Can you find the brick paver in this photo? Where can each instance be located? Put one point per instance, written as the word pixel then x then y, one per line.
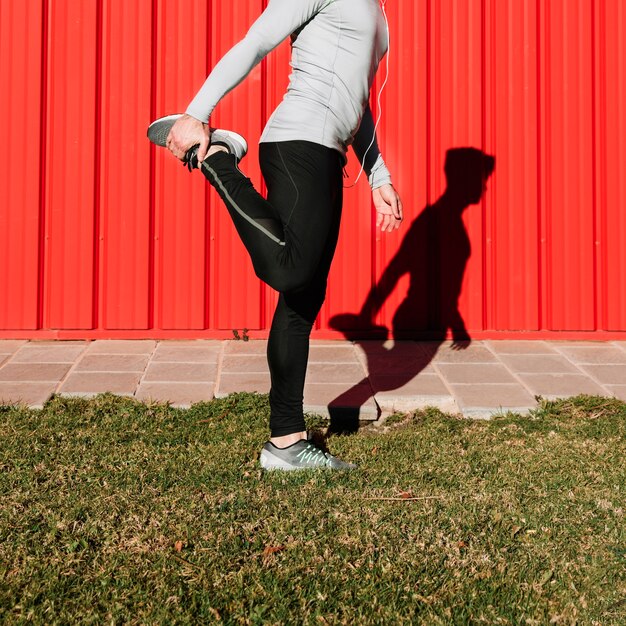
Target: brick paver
pixel 561 385
pixel 378 357
pixel 472 354
pixel 403 393
pixel 178 394
pixel 505 346
pixel 231 382
pixel 122 346
pixel 29 393
pixel 112 363
pixel 166 371
pixel 34 372
pixel 48 353
pixel 242 363
pixel 484 400
pixel 91 383
pixel 619 391
pixel 538 363
pixel 600 354
pixel 194 351
pixel 326 353
pixel 335 373
pixel 607 374
pixel 475 373
pixel 245 347
pixel 365 378
pixel 332 399
pixel 11 345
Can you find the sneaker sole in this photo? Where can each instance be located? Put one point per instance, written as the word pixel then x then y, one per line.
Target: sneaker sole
pixel 270 461
pixel 160 129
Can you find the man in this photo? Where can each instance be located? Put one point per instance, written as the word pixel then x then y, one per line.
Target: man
pixel 291 236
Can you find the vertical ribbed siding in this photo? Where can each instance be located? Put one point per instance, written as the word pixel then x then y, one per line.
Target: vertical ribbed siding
pixel 512 240
pixel 70 165
pixel 20 74
pixel 124 242
pixel 235 289
pixel 610 129
pixel 180 215
pixel 396 293
pixel 455 91
pixel 101 231
pixel 567 163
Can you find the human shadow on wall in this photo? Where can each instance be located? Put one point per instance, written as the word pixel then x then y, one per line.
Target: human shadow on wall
pixel 434 253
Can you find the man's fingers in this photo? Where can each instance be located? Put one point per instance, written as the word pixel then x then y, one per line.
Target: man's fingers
pixel 171 145
pixel 203 149
pixel 399 208
pixel 394 206
pixel 176 151
pixel 185 134
pixel 388 222
pixel 384 220
pixel 389 210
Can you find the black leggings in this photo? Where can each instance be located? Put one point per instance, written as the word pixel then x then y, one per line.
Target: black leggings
pixel 291 238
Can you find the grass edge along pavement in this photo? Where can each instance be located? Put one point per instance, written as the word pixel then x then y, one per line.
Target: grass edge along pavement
pixel 119 511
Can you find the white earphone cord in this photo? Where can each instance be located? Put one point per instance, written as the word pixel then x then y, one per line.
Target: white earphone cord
pixel 378 99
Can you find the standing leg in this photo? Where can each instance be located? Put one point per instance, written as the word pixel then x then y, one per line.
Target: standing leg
pixel 288 345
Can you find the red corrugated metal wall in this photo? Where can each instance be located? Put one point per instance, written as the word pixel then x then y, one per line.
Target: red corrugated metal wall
pixel 103 236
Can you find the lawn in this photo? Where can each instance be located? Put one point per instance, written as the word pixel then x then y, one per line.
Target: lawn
pixel 115 511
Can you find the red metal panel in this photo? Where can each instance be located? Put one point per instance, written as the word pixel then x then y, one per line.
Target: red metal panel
pixel 456 113
pixel 537 85
pixel 235 289
pixel 512 241
pixel 180 198
pixel 567 201
pixel 70 165
pixel 125 164
pixel 20 170
pixel 393 293
pixel 276 79
pixel 610 191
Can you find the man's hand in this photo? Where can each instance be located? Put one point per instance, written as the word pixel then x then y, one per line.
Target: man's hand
pixel 186 133
pixel 388 208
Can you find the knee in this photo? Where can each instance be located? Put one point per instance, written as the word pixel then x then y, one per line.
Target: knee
pixel 287 280
pixel 306 303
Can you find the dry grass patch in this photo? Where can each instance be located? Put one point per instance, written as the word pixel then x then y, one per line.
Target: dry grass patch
pixel 121 512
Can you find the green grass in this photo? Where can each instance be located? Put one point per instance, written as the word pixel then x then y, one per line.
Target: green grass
pixel 114 511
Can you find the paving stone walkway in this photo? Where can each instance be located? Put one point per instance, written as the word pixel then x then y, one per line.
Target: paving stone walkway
pixel 366 378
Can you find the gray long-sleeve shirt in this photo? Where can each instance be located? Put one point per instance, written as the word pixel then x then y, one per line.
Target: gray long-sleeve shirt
pixel 336 47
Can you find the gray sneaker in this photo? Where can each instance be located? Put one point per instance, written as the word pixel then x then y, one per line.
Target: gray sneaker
pixel 300 455
pixel 233 142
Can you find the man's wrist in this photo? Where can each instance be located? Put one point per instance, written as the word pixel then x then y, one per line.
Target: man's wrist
pixel 196 115
pixel 381 183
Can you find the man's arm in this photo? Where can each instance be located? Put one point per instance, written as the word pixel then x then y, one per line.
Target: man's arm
pixel 374 166
pixel 386 199
pixel 278 21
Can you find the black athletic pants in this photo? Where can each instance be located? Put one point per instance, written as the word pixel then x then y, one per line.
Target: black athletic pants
pixel 291 238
